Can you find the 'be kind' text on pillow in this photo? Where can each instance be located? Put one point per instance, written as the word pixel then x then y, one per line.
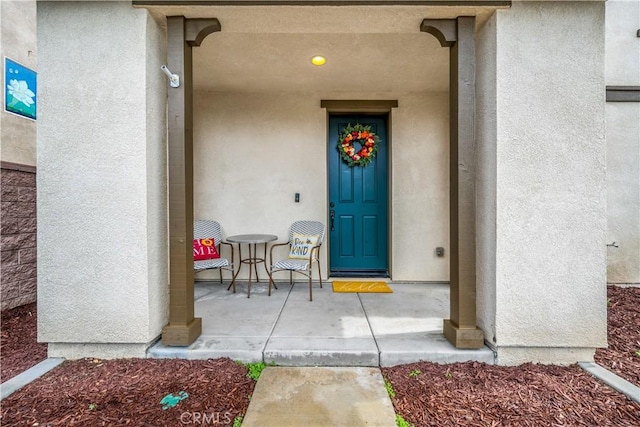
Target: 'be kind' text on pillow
pixel 302 244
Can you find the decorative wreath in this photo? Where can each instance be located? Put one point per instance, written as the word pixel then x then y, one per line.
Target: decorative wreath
pixel 358 145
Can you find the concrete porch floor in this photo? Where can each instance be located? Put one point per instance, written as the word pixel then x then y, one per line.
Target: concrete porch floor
pixel 335 329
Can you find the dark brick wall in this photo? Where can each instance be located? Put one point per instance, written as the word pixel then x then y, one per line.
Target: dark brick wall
pixel 18 280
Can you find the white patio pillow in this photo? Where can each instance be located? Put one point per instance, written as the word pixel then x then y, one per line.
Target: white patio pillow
pixel 301 245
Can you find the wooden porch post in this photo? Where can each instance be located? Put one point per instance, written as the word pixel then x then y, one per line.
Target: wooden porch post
pixel 182 35
pixel 459 36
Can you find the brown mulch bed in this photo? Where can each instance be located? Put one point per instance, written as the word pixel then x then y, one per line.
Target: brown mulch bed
pixel 478 394
pixel 19 349
pixel 623 334
pixel 475 394
pixel 128 391
pixel 91 392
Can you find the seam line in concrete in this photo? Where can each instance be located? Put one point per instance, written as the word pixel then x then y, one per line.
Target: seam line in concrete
pixel 366 316
pixel 20 380
pixel 612 380
pixel 273 327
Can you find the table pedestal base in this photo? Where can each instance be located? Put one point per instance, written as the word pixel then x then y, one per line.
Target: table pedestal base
pixel 252 241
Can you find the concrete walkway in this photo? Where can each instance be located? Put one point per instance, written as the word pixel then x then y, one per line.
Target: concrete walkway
pixel 335 329
pixel 320 397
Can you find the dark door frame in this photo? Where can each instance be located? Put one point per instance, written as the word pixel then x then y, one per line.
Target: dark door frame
pixel 380 108
pixel 456 34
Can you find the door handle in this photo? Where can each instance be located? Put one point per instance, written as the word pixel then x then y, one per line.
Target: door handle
pixel 332 216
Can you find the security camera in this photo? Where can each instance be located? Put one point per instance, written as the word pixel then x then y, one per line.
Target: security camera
pixel 166 71
pixel 174 79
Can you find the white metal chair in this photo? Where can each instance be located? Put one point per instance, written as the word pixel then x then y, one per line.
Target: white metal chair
pixel 203 229
pixel 300 265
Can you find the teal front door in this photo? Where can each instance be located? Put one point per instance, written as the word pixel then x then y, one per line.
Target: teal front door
pixel 358 204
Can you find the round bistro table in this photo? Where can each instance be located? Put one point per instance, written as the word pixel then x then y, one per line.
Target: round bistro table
pixel 252 241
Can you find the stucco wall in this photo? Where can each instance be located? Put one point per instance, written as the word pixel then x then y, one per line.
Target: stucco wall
pixel 18 156
pixel 550 183
pixel 622 52
pixel 17 42
pixel 623 143
pixel 486 170
pixel 102 258
pixel 253 152
pixel 623 201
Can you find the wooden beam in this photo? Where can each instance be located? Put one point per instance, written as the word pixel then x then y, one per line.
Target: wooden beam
pixel 348 106
pixel 461 329
pixel 182 35
pixel 183 327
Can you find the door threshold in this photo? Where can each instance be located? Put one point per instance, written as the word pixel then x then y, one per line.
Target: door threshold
pixel 359 275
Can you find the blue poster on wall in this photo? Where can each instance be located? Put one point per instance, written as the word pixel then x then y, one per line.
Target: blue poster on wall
pixel 20 89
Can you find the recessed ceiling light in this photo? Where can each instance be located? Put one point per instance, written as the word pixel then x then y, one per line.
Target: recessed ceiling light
pixel 318 60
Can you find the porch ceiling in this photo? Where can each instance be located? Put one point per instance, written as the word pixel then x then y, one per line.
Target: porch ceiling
pixel 368 49
pixel 355 63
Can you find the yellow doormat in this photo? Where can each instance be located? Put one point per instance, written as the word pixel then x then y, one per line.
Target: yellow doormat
pixel 360 286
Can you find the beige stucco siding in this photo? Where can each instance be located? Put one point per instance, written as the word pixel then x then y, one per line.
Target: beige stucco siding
pixel 17 42
pixel 540 195
pixel 623 143
pixel 622 64
pixel 102 254
pixel 253 152
pixel 486 178
pixel 623 201
pixel 549 183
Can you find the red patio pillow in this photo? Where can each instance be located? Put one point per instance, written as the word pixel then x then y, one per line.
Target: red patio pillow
pixel 204 249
